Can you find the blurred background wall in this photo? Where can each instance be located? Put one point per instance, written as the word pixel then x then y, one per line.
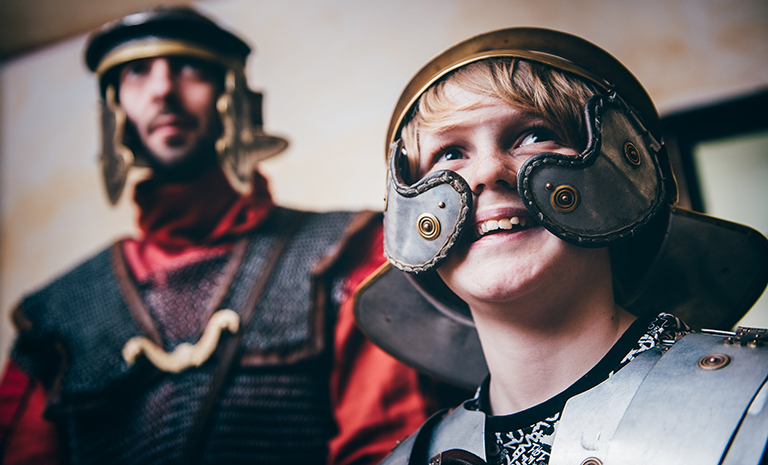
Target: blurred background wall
pixel 331 71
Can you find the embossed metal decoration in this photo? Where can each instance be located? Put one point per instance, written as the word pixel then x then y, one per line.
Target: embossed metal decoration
pixel 592 461
pixel 746 336
pixel 714 361
pixel 631 153
pixel 565 198
pixel 185 355
pixel 428 226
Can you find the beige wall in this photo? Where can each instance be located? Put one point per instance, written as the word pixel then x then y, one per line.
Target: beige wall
pixel 332 71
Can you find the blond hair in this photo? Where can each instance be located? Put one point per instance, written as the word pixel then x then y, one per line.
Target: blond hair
pixel 556 96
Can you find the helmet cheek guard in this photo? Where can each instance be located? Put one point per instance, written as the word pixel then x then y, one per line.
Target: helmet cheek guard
pixel 115 157
pixel 422 222
pixel 608 193
pixel 242 143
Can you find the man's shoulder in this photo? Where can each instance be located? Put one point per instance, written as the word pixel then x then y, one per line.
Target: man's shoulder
pixel 335 226
pixel 92 266
pixel 280 212
pixel 88 277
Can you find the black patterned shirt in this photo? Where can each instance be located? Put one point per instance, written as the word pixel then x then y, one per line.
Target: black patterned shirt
pixel 525 438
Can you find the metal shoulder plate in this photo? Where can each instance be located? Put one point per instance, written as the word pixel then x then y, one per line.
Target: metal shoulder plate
pixel 703 402
pixel 460 429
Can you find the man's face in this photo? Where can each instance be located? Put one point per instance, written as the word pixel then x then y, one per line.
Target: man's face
pixel 171 104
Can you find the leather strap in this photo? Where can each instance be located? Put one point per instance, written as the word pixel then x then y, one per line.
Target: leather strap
pixel 420 448
pixel 201 428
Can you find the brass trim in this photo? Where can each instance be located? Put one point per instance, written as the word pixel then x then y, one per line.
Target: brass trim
pixel 119 135
pixel 156 47
pixel 714 361
pixel 428 226
pixel 370 279
pixel 565 198
pixel 592 461
pixel 543 58
pixel 558 49
pixel 631 153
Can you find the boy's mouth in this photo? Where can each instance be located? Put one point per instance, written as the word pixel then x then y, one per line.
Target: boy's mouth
pixel 497 225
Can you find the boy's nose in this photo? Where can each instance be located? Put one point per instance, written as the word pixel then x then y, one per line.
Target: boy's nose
pixel 492 170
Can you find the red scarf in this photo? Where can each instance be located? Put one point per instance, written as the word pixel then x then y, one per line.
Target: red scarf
pixel 183 222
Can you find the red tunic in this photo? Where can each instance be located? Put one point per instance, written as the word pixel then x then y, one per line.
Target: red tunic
pixel 376 400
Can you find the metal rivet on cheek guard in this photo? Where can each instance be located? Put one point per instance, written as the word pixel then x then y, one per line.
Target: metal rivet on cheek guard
pixel 630 151
pixel 714 361
pixel 592 461
pixel 428 226
pixel 565 198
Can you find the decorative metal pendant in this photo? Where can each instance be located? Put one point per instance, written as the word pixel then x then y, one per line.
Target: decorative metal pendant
pixel 185 355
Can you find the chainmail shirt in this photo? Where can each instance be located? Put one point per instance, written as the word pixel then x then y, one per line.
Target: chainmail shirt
pixel 272 410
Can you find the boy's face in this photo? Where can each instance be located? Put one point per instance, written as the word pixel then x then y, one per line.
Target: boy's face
pixel 505 253
pixel 171 103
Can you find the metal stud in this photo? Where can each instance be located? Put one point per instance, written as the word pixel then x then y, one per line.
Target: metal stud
pixel 565 198
pixel 714 361
pixel 592 461
pixel 630 151
pixel 428 226
pixel 441 204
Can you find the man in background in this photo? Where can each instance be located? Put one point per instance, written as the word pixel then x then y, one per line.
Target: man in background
pixel 224 333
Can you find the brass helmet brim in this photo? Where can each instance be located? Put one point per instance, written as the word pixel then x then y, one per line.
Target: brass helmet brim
pixel 558 49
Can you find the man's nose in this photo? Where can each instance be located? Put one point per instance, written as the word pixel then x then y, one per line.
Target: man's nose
pixel 161 82
pixel 493 169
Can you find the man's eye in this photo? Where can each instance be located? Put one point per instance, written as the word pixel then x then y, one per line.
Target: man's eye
pixel 137 68
pixel 537 136
pixel 189 68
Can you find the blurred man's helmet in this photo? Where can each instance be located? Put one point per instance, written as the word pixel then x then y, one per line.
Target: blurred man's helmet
pixel 179 31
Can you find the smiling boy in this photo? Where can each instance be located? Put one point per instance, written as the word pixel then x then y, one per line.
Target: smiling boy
pixel 530 203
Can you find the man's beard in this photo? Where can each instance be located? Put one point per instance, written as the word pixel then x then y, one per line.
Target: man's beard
pixel 186 166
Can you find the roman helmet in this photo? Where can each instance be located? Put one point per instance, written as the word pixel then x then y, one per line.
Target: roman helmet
pixel 179 31
pixel 620 192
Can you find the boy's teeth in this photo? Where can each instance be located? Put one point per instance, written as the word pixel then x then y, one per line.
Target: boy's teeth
pixel 503 224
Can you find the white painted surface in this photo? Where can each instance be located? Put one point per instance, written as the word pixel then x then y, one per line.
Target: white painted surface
pixel 733 175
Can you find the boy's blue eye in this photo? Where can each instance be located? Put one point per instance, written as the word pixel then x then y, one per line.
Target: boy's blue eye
pixel 450 154
pixel 537 136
